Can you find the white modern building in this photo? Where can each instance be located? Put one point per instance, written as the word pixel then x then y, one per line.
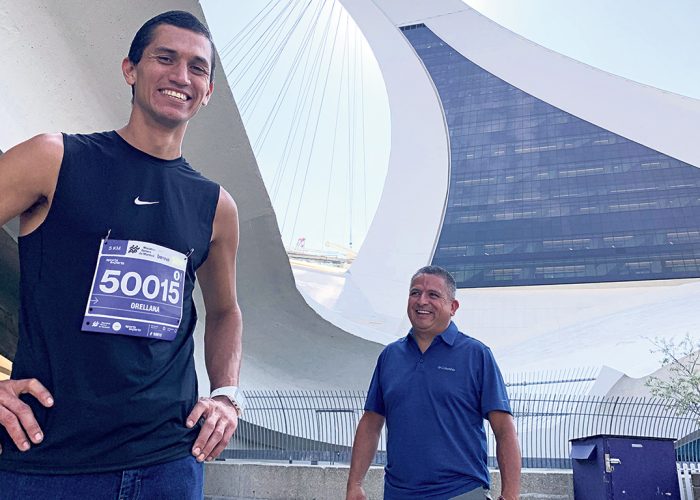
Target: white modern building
pixel 564 199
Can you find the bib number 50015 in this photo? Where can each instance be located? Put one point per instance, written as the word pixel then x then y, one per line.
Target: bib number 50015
pixel 138 290
pixel 131 284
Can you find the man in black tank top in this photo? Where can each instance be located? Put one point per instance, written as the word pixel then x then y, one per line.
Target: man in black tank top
pixel 102 400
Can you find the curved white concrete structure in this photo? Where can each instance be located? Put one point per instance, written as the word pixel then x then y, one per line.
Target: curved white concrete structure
pixel 530 327
pixel 63 73
pixel 402 234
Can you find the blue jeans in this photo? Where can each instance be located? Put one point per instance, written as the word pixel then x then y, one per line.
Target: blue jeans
pixel 181 479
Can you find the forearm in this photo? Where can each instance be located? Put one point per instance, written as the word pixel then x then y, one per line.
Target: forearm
pixel 363 450
pixel 223 347
pixel 508 456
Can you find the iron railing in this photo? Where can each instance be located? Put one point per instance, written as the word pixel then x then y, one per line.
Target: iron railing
pixel 299 425
pixel 547 422
pixel 320 425
pixel 577 380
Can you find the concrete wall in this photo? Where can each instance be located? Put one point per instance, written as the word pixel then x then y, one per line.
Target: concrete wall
pixel 257 481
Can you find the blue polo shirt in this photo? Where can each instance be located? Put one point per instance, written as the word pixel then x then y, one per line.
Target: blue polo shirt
pixel 435 404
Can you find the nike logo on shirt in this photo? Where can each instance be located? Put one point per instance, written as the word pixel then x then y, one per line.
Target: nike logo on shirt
pixel 141 202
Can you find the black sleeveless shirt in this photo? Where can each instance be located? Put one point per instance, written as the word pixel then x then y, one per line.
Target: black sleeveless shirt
pixel 120 401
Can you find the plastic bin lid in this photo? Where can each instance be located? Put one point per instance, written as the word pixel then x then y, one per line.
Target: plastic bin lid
pixel 582 451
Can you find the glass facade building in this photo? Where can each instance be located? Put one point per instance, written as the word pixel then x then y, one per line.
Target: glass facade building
pixel 540 196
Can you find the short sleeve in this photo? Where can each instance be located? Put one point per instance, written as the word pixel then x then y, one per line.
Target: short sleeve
pixel 494 395
pixel 375 396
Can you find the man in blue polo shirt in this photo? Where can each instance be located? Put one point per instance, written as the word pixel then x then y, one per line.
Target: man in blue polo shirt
pixel 434 388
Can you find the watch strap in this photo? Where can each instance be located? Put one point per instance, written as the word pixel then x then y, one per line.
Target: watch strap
pixel 233 394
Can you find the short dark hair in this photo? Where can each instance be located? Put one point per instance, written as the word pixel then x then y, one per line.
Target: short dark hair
pixel 177 18
pixel 443 273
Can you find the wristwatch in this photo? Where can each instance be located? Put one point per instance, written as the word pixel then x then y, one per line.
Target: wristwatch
pixel 234 394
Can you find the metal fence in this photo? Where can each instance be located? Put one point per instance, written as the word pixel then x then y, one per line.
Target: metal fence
pixel 685 478
pixel 578 380
pixel 319 426
pixel 546 423
pixel 299 426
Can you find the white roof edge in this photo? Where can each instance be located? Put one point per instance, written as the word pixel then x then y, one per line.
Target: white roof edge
pixel 653 117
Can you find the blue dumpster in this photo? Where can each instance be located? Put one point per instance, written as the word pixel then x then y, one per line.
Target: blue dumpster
pixel 624 467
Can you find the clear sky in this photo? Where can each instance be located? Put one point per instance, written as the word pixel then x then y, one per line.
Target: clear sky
pixel 317 116
pixel 649 41
pixel 326 193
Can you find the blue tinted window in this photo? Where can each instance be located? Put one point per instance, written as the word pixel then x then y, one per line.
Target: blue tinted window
pixel 539 196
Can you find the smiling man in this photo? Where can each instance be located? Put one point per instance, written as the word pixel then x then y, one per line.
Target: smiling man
pixel 114 228
pixel 434 388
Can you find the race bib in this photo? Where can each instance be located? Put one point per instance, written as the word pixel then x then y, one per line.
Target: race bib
pixel 137 290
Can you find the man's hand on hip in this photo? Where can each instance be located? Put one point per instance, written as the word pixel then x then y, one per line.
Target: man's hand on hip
pixel 220 422
pixel 16 416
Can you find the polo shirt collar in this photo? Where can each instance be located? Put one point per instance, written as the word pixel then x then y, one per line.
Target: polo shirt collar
pixel 448 336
